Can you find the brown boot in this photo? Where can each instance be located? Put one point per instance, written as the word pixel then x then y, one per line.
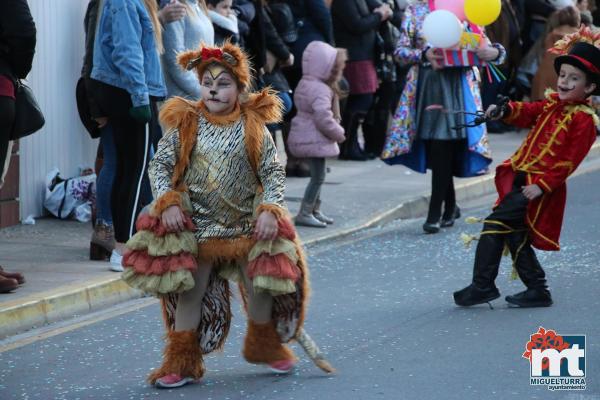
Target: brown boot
pixel 8 284
pixel 182 361
pixel 12 275
pixel 102 242
pixel 263 346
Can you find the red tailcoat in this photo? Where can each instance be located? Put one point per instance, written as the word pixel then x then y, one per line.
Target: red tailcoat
pixel 561 135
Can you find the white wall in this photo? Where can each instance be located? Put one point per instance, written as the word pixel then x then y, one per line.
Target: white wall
pixel 63 142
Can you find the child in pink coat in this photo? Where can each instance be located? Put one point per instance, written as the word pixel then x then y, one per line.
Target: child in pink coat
pixel 316 129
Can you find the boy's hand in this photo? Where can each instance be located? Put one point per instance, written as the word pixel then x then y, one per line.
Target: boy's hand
pixel 173 219
pixel 532 191
pixel 266 227
pixel 493 113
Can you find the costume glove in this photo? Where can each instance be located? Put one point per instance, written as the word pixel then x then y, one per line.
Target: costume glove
pixel 502 107
pixel 141 113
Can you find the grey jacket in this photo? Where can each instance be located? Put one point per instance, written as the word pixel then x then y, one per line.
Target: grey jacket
pixel 185 34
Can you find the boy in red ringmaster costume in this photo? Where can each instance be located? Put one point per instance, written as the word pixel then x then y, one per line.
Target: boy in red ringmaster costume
pixel 531 184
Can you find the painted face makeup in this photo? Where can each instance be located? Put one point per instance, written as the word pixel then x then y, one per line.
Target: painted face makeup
pixel 572 84
pixel 219 90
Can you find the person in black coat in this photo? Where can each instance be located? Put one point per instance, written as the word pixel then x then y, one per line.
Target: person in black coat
pixel 355 27
pixel 17 47
pixel 313 21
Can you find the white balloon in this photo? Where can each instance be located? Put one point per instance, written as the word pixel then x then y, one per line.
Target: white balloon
pixel 442 29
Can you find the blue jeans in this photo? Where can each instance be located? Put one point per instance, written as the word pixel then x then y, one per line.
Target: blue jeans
pixel 106 177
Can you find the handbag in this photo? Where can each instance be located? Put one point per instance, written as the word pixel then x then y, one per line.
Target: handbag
pixel 28 116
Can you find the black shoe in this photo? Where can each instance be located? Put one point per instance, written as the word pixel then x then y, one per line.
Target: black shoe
pixel 472 295
pixel 354 154
pixel 448 222
pixel 532 297
pixel 431 227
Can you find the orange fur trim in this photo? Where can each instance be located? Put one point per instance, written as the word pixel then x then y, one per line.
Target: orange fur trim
pixel 261 108
pixel 171 198
pixel 266 105
pixel 241 71
pixel 263 345
pixel 277 211
pixel 182 356
pixel 219 250
pixel 220 119
pixel 181 114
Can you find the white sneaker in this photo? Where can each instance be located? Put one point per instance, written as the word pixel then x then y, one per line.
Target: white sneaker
pixel 116 261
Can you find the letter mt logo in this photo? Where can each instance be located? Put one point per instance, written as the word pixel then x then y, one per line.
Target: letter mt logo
pixel 557 361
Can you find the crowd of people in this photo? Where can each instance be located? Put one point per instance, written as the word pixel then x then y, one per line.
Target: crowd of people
pixel 351 99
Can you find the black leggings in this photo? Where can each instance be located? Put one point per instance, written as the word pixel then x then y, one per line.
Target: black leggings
pixel 442 157
pixel 7 117
pixel 132 145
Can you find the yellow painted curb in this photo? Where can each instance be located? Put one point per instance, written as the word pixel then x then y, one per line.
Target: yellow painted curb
pixel 43 308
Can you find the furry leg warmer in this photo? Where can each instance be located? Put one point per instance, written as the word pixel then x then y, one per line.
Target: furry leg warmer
pixel 181 356
pixel 263 345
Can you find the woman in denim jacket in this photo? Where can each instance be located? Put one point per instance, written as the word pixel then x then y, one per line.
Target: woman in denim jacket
pixel 128 80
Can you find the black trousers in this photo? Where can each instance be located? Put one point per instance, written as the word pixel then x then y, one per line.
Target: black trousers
pixel 132 145
pixel 442 157
pixel 506 225
pixel 7 117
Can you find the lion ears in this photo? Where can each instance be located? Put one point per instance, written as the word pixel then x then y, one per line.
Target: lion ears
pixel 229 55
pixel 191 59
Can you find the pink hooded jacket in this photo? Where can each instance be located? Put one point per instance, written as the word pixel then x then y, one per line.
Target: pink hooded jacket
pixel 314 131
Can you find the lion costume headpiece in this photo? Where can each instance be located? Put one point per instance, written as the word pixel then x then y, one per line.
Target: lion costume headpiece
pixel 229 56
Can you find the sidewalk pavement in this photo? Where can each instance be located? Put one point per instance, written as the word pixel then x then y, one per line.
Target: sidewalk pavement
pixel 62 282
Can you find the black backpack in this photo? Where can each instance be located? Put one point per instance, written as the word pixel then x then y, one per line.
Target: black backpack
pixel 284 21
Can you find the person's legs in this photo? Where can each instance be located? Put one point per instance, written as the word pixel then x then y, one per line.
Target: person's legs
pixel 356 108
pixel 530 271
pixel 451 210
pixel 106 176
pixel 132 148
pixel 132 144
pixel 8 281
pixel 7 117
pixel 262 344
pixel 440 161
pixel 322 171
pixel 189 305
pixel 499 227
pixel 103 237
pixel 317 176
pixel 182 361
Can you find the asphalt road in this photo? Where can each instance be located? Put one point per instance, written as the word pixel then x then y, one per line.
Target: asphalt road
pixel 381 310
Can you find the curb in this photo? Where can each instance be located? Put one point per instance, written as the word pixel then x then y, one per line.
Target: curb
pixel 38 310
pixel 66 302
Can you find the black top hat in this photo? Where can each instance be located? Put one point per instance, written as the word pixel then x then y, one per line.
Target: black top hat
pixel 586 57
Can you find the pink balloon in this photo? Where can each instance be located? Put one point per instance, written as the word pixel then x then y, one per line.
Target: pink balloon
pixel 456 7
